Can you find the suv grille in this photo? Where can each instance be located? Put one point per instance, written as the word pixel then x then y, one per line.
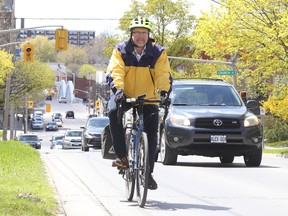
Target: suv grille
pixel 209 123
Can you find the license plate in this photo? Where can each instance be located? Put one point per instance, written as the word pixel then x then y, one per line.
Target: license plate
pixel 218 139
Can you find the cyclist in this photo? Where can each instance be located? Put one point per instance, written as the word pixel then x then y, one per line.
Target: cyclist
pixel 137 66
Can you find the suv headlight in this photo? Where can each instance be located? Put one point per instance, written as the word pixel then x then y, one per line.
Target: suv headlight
pixel 251 121
pixel 180 120
pixel 87 135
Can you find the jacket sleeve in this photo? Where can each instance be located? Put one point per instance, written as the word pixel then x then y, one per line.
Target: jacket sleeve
pixel 116 72
pixel 163 76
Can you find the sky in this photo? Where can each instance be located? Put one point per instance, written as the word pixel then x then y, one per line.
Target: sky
pixel 104 14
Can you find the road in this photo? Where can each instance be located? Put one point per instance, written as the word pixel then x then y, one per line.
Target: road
pixel 86 184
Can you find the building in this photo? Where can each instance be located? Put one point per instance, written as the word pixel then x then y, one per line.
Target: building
pixel 77 38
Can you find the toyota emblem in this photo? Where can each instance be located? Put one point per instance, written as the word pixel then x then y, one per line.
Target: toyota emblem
pixel 217 122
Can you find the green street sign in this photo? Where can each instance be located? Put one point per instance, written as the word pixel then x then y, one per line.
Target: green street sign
pixel 226 72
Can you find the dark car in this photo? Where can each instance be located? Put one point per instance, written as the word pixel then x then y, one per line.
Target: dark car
pixel 70 114
pixel 31 139
pixel 51 126
pixel 201 122
pixel 56 116
pixel 92 131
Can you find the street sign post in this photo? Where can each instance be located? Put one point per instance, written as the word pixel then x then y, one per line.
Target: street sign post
pixel 226 72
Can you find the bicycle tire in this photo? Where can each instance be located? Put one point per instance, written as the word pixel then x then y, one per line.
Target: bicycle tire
pixel 143 172
pixel 129 174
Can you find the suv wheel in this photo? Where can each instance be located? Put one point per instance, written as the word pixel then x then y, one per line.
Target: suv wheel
pixel 227 159
pixel 84 147
pixel 167 156
pixel 253 159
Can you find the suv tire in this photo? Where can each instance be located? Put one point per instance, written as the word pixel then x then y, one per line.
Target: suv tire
pixel 227 159
pixel 167 155
pixel 254 159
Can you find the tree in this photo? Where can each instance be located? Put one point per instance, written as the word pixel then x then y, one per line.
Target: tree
pixel 87 71
pixel 171 19
pixel 6 67
pixel 255 31
pixel 44 49
pixel 30 79
pixel 73 58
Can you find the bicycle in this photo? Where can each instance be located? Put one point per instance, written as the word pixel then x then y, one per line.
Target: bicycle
pixel 137 174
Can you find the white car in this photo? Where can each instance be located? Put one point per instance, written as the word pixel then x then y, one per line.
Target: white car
pixel 59 122
pixel 37 124
pixel 72 139
pixel 62 100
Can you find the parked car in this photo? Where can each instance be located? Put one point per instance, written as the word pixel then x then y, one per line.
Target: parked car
pixel 56 141
pixel 51 126
pixel 31 139
pixel 91 136
pixel 70 114
pixel 37 124
pixel 56 116
pixel 38 113
pixel 62 100
pixel 59 122
pixel 72 138
pixel 200 123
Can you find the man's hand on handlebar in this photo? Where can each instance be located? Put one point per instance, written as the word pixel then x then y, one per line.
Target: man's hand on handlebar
pixel 119 96
pixel 165 100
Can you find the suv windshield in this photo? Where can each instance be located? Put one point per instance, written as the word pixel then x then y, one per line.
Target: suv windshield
pixel 204 95
pixel 98 122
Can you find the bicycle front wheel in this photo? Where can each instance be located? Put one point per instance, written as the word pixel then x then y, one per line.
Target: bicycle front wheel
pixel 129 173
pixel 143 172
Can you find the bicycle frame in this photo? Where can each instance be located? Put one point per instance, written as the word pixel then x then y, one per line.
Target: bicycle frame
pixel 138 170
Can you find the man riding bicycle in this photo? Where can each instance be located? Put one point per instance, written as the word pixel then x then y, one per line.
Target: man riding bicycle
pixel 138 66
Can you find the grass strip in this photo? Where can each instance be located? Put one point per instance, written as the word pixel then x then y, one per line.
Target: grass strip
pixel 24 186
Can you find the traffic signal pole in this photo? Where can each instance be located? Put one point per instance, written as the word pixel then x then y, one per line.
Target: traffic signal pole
pixel 8 82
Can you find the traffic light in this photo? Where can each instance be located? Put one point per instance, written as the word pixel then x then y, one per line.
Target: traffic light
pixel 30 104
pixel 28 53
pixel 61 39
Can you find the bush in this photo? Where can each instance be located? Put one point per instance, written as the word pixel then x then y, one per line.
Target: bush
pixel 275 129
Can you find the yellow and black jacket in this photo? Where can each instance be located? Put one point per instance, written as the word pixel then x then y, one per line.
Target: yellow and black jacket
pixel 150 75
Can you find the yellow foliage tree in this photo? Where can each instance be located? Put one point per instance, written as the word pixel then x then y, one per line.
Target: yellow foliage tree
pixel 6 65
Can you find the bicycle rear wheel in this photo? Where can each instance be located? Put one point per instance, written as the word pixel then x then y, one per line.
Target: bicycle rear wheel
pixel 129 173
pixel 143 172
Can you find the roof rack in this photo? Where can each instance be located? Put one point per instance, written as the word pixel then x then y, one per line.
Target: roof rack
pixel 199 78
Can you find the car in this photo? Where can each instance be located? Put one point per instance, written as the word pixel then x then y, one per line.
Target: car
pixel 37 118
pixel 70 114
pixel 51 126
pixel 31 139
pixel 38 113
pixel 91 136
pixel 37 124
pixel 56 116
pixel 196 124
pixel 72 138
pixel 92 115
pixel 59 122
pixel 62 100
pixel 56 141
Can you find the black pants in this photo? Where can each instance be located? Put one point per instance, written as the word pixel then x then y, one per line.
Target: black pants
pixel 151 115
